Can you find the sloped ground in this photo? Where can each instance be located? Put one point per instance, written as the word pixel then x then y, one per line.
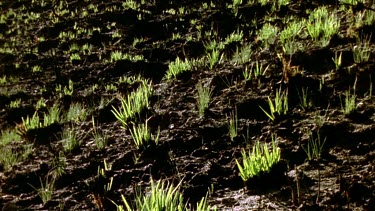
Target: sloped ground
pixel 37 55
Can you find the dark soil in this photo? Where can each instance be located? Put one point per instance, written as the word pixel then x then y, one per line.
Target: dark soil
pixel 196 150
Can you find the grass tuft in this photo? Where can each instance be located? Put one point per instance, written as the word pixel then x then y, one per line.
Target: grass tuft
pixel 258 160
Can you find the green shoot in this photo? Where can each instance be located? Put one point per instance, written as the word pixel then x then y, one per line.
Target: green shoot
pixel 259 160
pixel 279 106
pixel 204 98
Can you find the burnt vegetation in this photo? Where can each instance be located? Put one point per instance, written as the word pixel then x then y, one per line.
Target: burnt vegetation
pixel 187 105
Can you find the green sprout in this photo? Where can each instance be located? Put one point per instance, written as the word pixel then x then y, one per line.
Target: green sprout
pixel 45 191
pixel 305 101
pixel 259 160
pixel 314 147
pixel 204 98
pixel 337 60
pixel 214 58
pixel 279 106
pixel 177 67
pixel 362 51
pixel 254 72
pixel 70 140
pixel 142 136
pixel 268 34
pixel 233 125
pixel 98 135
pixel 349 105
pixel 162 196
pixel 77 112
pixel 133 104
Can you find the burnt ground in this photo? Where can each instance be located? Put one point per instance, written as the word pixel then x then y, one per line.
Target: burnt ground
pixel 194 149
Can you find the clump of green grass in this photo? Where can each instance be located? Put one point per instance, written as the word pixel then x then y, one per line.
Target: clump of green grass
pixel 254 72
pixel 304 99
pixel 58 165
pixel 102 174
pixel 76 112
pixel 15 103
pixel 65 90
pixel 362 51
pixel 322 25
pixel 236 36
pixel 133 104
pixel 288 37
pixel 259 160
pixel 277 107
pixel 177 67
pixel 8 136
pixel 70 139
pixel 233 125
pixel 314 147
pixel 34 122
pixel 349 105
pixel 99 137
pixel 242 55
pixel 337 60
pixel 118 55
pixel 204 98
pixel 142 136
pixel 214 58
pixel 162 196
pixel 8 157
pixel 45 191
pixel 214 45
pixel 268 34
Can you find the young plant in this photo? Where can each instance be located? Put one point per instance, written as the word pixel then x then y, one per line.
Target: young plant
pixel 142 136
pixel 291 31
pixel 9 136
pixel 110 87
pixel 233 125
pixel 76 113
pixel 254 73
pixel 234 37
pixel 362 51
pixel 278 107
pixel 53 115
pixel 8 157
pixel 259 160
pixel 58 165
pixel 45 191
pixel 102 174
pixel 268 34
pixel 65 90
pixel 370 89
pixel 242 55
pixel 314 147
pixel 133 104
pixel 161 196
pixel 337 60
pixel 15 104
pixel 214 58
pixel 236 3
pixel 70 140
pixel 214 45
pixel 30 123
pixel 177 67
pixel 321 25
pixel 304 99
pixel 98 135
pixel 349 105
pixel 204 98
pixel 290 47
